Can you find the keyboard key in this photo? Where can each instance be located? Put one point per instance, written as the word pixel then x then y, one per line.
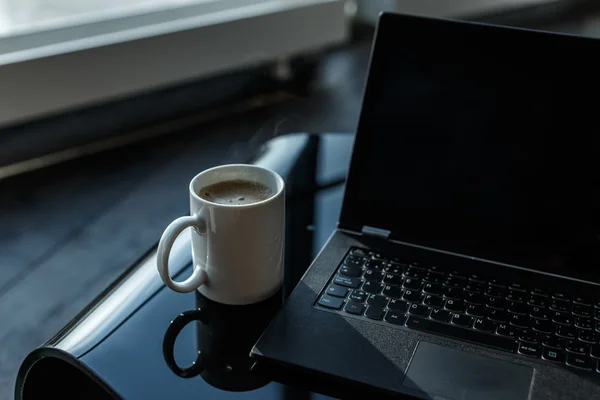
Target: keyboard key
pixel 551 354
pixel 412 296
pixel 473 298
pixel 538 301
pixel 418 310
pixel 517 287
pixel 529 349
pixel 392 279
pixel 354 308
pixel 476 310
pixel 354 261
pixel 394 317
pixel 485 325
pixel 582 311
pixel 596 314
pixel 337 291
pixel 377 301
pixel 561 296
pixel 584 323
pixel 440 315
pixel 529 336
pixel 358 296
pixel 455 305
pixel 476 278
pixel 539 292
pixel 358 252
pixel 453 293
pixel 350 270
pixel 393 292
pixel 515 296
pixel 495 302
pixel 467 335
pixel 506 330
pixel 553 342
pixel 412 284
pixel 374 312
pixel 454 283
pixel 331 302
pixel 540 325
pixel 575 346
pixel 497 315
pixel 517 320
pixel 373 275
pixel 412 273
pixel 435 269
pixel 457 275
pixel 474 287
pixel 562 318
pixel 586 336
pixel 433 288
pixel 539 313
pixel 497 282
pixel 398 305
pixel 567 332
pixel 372 287
pixel 494 291
pixel 393 269
pixel 353 283
pixel 579 361
pixel 433 301
pixel 584 301
pixel 462 320
pixel 433 277
pixel 517 308
pixel 560 306
pixel 595 352
pixel 375 264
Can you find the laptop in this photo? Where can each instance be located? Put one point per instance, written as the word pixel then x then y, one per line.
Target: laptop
pixel 466 260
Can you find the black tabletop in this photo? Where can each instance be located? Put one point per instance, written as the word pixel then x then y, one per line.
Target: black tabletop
pixel 116 346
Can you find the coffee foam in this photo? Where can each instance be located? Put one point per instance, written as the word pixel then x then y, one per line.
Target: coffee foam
pixel 235 192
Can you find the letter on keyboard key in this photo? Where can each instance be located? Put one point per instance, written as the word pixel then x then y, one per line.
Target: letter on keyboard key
pixel 393 291
pixel 377 301
pixel 398 305
pixel 441 315
pixel 418 310
pixel 462 320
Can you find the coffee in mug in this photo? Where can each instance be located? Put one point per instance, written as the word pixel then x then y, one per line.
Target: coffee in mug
pixel 236 192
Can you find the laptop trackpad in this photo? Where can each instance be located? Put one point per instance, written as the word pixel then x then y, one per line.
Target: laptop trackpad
pixel 458 375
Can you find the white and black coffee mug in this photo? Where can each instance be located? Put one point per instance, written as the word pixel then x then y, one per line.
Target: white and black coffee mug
pixel 237 249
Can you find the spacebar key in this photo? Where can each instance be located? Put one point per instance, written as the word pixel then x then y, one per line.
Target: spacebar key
pixel 467 335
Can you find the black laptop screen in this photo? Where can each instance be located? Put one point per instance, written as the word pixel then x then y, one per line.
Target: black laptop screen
pixel 482 141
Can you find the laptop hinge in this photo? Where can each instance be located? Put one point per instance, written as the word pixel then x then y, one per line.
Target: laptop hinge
pixel 380 233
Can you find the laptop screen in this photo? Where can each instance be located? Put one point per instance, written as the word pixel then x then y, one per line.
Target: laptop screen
pixel 482 141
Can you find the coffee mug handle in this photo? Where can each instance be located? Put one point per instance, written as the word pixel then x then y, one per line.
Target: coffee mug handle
pixel 167 240
pixel 169 344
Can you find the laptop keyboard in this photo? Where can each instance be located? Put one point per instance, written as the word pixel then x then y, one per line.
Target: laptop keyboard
pixel 560 328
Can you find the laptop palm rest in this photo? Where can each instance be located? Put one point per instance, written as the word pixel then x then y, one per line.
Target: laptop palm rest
pixel 457 375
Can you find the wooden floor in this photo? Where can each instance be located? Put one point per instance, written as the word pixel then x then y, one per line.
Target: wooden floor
pixel 70 230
